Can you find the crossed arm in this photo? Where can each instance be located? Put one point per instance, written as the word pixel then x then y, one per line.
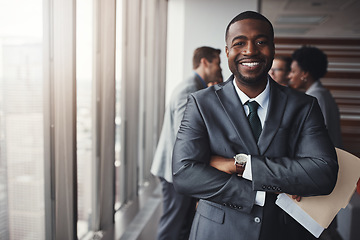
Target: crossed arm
pixel 310 171
pixel 227 165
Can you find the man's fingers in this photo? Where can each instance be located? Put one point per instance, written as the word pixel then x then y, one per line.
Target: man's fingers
pixel 296 197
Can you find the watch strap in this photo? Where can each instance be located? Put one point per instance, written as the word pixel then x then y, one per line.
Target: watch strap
pixel 239 169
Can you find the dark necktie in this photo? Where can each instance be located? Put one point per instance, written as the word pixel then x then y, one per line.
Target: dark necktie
pixel 254 119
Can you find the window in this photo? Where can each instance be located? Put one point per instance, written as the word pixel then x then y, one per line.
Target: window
pixel 119 124
pixel 22 211
pixel 85 176
pixel 69 124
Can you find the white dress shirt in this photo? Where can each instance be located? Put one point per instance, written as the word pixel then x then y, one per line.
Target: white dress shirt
pixel 263 100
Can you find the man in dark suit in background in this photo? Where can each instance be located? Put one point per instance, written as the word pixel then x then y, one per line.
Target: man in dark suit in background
pixel 178 209
pixel 276 135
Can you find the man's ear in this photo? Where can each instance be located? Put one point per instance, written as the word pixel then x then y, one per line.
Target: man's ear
pixel 227 51
pixel 204 62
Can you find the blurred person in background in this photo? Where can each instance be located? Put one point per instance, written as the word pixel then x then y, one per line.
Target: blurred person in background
pixel 280 69
pixel 308 66
pixel 178 209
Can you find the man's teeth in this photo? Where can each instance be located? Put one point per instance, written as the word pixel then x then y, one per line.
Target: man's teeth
pixel 250 64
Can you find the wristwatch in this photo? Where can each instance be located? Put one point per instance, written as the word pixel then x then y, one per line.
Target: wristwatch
pixel 240 162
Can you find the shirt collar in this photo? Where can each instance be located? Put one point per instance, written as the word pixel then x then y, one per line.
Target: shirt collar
pixel 201 80
pixel 262 99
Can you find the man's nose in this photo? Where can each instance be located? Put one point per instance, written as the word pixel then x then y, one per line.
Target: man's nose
pixel 250 49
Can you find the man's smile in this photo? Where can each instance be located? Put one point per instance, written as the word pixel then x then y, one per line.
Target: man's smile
pixel 249 64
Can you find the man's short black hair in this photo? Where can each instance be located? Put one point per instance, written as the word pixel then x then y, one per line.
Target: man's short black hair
pixel 312 60
pixel 249 15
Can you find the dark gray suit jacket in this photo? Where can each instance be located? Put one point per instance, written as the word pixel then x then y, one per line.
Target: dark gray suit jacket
pixel 161 166
pixel 294 155
pixel 329 109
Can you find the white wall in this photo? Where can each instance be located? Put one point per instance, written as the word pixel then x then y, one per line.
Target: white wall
pixel 195 23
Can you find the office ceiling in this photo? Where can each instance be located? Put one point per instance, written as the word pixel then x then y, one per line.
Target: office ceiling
pixel 313 18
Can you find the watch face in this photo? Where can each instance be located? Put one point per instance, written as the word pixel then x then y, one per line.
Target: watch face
pixel 241 159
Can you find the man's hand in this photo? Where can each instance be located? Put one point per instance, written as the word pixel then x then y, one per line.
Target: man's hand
pixel 296 197
pixel 223 164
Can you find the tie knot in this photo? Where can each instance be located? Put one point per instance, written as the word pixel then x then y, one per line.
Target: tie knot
pixel 253 106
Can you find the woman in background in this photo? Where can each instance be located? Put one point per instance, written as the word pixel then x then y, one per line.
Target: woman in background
pixel 308 66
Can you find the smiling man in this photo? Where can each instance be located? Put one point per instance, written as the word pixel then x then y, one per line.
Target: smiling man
pixel 246 140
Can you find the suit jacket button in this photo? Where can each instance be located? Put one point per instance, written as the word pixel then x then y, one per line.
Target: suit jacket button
pixel 278 189
pixel 263 187
pixel 274 188
pixel 239 207
pixel 269 187
pixel 257 219
pixel 225 204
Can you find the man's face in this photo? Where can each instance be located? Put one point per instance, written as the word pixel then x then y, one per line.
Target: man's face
pixel 250 50
pixel 213 71
pixel 296 76
pixel 278 72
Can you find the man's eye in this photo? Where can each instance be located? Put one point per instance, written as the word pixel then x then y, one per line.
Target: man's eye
pixel 239 43
pixel 261 42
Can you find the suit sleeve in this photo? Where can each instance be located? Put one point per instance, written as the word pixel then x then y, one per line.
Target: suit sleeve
pixel 321 99
pixel 178 110
pixel 311 171
pixel 192 174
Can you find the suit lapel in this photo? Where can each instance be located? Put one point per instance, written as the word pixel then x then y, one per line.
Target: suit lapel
pixel 274 115
pixel 235 112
